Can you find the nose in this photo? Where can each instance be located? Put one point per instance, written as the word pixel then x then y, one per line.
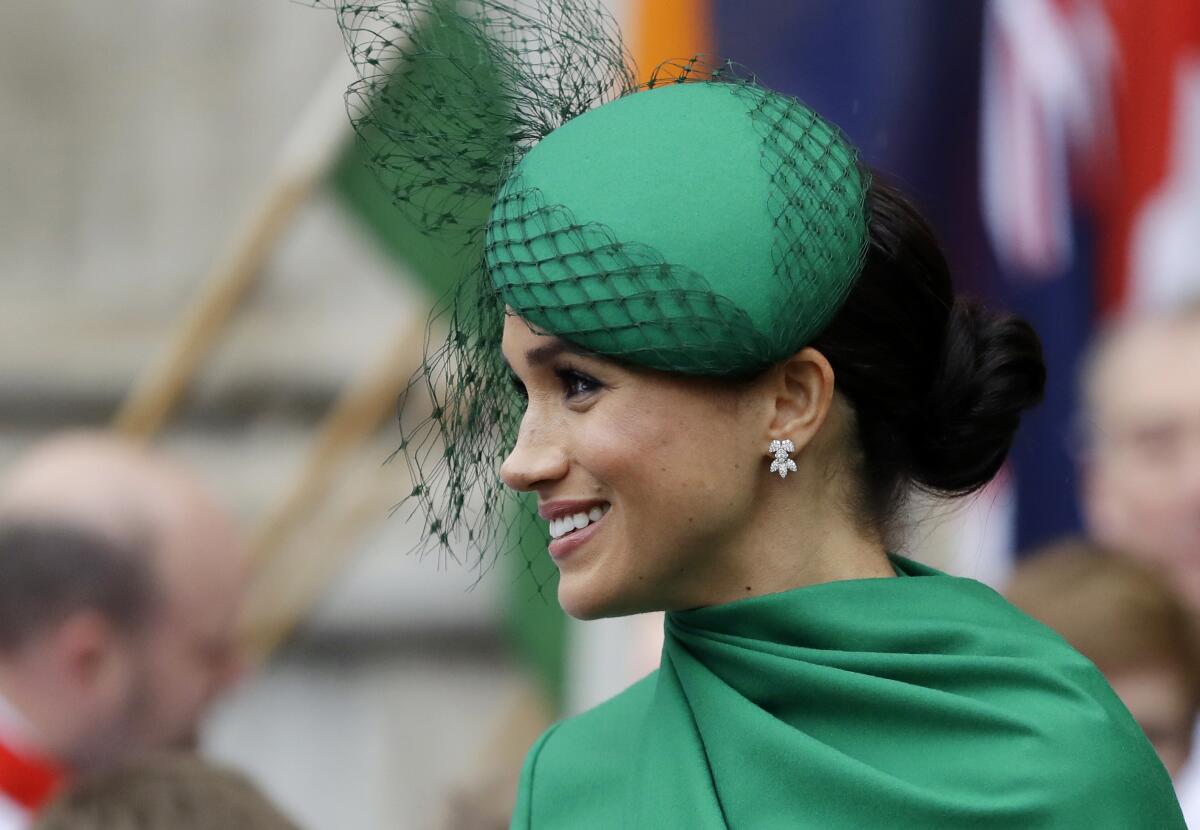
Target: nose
pixel 536 457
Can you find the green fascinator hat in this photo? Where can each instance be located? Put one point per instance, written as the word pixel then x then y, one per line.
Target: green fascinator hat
pixel 708 228
pixel 700 223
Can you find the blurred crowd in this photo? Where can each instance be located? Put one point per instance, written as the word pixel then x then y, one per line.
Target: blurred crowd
pixel 1127 595
pixel 120 588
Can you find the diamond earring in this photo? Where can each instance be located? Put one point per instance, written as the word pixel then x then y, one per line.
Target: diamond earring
pixel 782 464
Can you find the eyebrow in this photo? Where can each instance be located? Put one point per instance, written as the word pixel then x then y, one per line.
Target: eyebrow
pixel 541 355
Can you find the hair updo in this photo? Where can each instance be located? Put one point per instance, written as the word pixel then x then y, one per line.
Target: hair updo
pixel 937 383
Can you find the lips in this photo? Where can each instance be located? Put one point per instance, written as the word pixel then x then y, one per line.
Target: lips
pixel 568 523
pixel 572 524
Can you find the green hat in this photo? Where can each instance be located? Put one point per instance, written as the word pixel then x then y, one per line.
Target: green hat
pixel 707 228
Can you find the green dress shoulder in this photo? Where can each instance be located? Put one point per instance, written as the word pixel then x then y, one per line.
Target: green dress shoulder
pixel 926 702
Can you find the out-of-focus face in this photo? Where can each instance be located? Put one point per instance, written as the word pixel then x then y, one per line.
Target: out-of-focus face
pixel 1159 700
pixel 99 689
pixel 647 479
pixel 1143 472
pixel 191 653
pixel 156 682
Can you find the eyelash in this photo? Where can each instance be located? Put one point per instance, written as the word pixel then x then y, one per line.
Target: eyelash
pixel 571 379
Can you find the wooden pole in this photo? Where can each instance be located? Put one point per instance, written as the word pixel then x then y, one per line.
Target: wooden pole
pixel 305 159
pixel 279 602
pixel 360 409
pixel 280 598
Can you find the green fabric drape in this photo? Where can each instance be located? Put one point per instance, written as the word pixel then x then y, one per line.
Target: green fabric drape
pixel 924 701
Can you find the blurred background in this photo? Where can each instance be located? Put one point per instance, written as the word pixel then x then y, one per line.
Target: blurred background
pixel 189 250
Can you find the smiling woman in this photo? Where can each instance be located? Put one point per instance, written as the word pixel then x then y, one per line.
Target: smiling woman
pixel 668 463
pixel 734 353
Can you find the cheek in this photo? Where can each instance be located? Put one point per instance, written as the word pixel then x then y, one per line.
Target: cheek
pixel 173 673
pixel 1131 495
pixel 677 470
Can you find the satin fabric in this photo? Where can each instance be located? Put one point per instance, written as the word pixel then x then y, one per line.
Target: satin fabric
pixel 924 701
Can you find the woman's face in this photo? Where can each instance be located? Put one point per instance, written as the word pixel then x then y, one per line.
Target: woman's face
pixel 646 478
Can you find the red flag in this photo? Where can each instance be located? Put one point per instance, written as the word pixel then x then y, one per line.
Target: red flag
pixel 1151 217
pixel 25 779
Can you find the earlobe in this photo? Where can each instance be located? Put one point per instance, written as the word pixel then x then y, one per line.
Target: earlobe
pixel 803 395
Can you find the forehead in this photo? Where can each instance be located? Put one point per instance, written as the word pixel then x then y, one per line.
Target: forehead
pixel 519 335
pixel 1151 372
pixel 204 564
pixel 526 345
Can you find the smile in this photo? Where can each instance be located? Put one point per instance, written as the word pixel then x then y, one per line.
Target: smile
pixel 564 525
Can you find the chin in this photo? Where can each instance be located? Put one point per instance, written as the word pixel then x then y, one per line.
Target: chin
pixel 580 604
pixel 582 599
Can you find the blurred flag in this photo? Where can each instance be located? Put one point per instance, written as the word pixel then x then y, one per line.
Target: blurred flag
pixel 1151 220
pixel 1041 120
pixel 1090 169
pixel 534 623
pixel 662 30
pixel 420 87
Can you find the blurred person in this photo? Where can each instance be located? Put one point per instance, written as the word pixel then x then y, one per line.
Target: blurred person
pixel 1141 459
pixel 172 792
pixel 1126 619
pixel 120 581
pixel 1141 465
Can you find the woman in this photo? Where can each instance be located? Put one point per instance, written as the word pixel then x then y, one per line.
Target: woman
pixel 735 353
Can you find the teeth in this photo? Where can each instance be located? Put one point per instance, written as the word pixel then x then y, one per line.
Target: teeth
pixel 578 521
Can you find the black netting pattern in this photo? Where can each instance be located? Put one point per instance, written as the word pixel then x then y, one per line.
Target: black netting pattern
pixel 618 299
pixel 440 80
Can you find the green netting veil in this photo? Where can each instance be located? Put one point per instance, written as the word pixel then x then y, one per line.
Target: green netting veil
pixel 700 223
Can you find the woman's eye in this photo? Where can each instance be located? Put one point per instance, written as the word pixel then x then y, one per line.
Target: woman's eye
pixel 576 384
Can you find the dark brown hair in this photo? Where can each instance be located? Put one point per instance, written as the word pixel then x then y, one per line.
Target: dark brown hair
pixel 937 383
pixel 49 570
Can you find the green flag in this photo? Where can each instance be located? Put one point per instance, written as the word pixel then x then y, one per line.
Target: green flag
pixel 400 184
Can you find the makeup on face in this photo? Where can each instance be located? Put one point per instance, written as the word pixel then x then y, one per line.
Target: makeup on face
pixel 621 461
pixel 551 369
pixel 555 355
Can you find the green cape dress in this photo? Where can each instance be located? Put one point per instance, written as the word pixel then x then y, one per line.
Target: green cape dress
pixel 925 701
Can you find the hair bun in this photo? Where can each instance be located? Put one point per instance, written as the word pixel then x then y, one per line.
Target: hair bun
pixel 991 371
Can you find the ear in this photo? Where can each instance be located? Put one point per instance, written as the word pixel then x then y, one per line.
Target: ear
pixel 803 387
pixel 86 648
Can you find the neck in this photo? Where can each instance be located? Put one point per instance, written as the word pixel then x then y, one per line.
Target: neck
pixel 800 535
